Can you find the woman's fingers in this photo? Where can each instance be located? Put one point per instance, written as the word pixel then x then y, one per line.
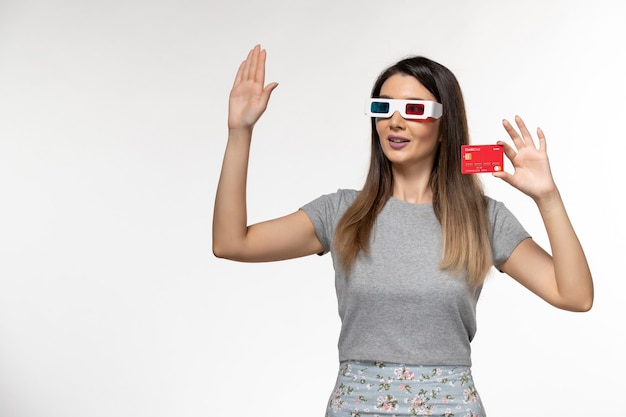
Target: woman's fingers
pixel 239 76
pixel 508 150
pixel 517 140
pixel 523 137
pixel 252 69
pixel 260 67
pixel 527 137
pixel 248 63
pixel 542 140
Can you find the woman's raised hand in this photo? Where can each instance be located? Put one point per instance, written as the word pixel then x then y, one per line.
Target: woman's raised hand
pixel 249 96
pixel 532 174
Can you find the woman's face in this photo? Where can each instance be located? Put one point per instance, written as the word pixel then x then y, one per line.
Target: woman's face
pixel 407 142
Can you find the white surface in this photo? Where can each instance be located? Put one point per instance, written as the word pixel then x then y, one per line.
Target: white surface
pixel 112 129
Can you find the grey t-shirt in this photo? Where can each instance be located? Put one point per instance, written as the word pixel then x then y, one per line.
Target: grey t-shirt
pixel 396 305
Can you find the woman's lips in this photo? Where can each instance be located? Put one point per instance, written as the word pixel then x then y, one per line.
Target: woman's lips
pixel 397 142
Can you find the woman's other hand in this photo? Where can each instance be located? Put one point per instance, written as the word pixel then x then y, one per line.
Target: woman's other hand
pixel 532 174
pixel 249 96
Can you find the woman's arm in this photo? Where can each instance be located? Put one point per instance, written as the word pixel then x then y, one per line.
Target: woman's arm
pixel 283 238
pixel 563 279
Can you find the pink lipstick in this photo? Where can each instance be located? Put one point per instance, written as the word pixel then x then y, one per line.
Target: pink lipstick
pixel 397 142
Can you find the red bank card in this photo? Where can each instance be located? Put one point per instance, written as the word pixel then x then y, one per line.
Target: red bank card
pixel 481 158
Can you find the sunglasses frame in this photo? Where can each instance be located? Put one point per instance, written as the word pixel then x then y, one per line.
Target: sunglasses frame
pixel 432 109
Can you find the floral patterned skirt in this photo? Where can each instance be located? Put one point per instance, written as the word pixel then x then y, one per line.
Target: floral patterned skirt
pixel 386 389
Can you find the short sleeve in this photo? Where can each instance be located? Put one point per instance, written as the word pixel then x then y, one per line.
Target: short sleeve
pixel 506 232
pixel 325 212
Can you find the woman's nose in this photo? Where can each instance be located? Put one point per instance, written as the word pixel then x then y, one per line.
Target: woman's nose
pixel 396 119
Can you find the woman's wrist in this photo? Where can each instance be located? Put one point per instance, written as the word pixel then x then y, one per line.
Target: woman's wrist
pixel 240 133
pixel 549 201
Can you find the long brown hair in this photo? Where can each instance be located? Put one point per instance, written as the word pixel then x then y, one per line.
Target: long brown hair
pixel 458 199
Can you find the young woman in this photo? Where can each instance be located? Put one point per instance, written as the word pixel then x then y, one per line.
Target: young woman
pixel 413 246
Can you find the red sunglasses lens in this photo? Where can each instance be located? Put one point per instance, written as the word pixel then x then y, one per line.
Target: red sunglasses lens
pixel 415 109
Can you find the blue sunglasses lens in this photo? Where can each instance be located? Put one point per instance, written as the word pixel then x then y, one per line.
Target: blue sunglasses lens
pixel 379 107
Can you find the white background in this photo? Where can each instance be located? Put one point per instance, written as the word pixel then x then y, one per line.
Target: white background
pixel 112 129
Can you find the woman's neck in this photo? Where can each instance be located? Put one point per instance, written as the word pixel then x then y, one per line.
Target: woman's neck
pixel 412 186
